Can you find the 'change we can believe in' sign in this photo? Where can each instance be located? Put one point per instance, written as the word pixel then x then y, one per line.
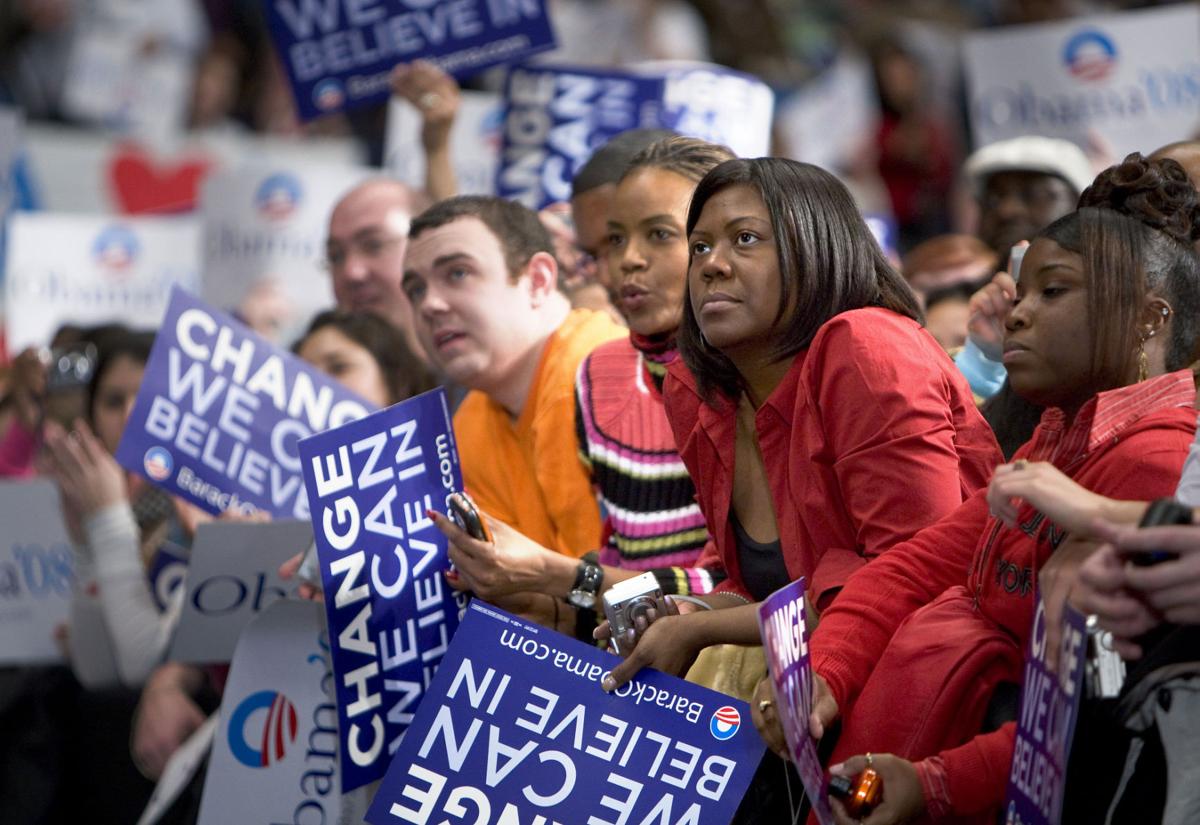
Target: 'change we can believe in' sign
pixel 391 614
pixel 220 412
pixel 516 729
pixel 338 53
pixel 781 619
pixel 1046 724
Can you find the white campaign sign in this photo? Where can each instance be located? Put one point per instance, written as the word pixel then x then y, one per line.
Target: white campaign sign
pixel 10 150
pixel 716 104
pixel 829 119
pixel 264 232
pixel 275 750
pixel 132 64
pixel 232 577
pixel 36 572
pixel 90 269
pixel 474 143
pixel 1133 77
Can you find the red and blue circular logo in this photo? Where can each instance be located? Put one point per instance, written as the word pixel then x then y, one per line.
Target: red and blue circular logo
pixel 158 463
pixel 278 197
pixel 725 722
pixel 272 733
pixel 1090 55
pixel 328 94
pixel 115 249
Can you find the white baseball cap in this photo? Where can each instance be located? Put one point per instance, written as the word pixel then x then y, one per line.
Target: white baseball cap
pixel 1030 153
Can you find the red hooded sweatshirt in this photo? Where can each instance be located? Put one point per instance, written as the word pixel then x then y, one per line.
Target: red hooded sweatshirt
pixel 915 644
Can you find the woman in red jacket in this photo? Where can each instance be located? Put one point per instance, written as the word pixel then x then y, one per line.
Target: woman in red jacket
pixel 819 422
pixel 913 654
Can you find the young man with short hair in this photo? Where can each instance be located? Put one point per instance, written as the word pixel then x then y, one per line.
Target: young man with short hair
pixel 482 281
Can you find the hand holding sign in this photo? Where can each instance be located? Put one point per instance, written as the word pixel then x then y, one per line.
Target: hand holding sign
pixel 436 96
pixel 824 708
pixel 510 563
pixel 766 718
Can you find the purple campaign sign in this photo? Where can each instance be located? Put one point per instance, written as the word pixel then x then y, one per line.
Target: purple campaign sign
pixel 785 641
pixel 338 53
pixel 1049 708
pixel 220 410
pixel 555 118
pixel 391 614
pixel 517 730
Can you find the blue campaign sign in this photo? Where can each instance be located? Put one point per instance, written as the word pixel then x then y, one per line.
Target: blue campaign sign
pixel 516 729
pixel 391 613
pixel 338 53
pixel 781 620
pixel 220 412
pixel 1046 723
pixel 556 117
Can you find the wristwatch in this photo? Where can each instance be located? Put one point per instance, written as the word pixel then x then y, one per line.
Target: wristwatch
pixel 587 584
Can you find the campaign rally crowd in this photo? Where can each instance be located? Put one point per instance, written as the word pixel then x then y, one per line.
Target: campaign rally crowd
pixel 944 378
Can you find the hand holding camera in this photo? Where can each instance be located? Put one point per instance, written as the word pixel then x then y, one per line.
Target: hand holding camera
pixel 631 606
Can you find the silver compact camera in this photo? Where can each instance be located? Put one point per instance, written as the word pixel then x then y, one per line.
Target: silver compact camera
pixel 625 601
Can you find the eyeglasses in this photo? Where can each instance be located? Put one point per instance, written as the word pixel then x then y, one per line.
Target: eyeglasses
pixel 369 248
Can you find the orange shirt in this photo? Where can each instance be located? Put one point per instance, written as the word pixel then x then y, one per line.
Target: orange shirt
pixel 527 472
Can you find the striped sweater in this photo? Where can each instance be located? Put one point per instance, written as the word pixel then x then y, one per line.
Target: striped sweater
pixel 652 520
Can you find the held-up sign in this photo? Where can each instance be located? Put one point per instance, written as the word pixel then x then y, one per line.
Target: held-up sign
pixel 36 572
pixel 1132 77
pixel 275 749
pixel 233 577
pixel 785 640
pixel 1046 724
pixel 338 53
pixel 264 236
pixel 220 411
pixel 88 269
pixel 391 614
pixel 556 117
pixel 517 729
pixel 474 142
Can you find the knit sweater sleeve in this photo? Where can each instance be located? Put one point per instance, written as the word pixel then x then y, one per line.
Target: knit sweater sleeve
pixel 137 631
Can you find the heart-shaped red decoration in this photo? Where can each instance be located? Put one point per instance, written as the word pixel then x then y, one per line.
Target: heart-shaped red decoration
pixel 140 186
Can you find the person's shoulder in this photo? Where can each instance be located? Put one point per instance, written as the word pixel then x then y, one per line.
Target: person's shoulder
pixel 575 339
pixel 868 327
pixel 585 329
pixel 613 362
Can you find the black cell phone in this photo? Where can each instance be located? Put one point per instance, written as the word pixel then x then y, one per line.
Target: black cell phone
pixel 1164 511
pixel 463 512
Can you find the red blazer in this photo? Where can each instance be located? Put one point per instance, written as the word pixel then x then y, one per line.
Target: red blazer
pixel 871 436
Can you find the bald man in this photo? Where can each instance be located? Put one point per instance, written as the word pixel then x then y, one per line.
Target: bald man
pixel 368 233
pixel 1186 153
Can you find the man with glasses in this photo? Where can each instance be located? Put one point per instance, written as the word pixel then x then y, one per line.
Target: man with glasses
pixel 1023 185
pixel 368 233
